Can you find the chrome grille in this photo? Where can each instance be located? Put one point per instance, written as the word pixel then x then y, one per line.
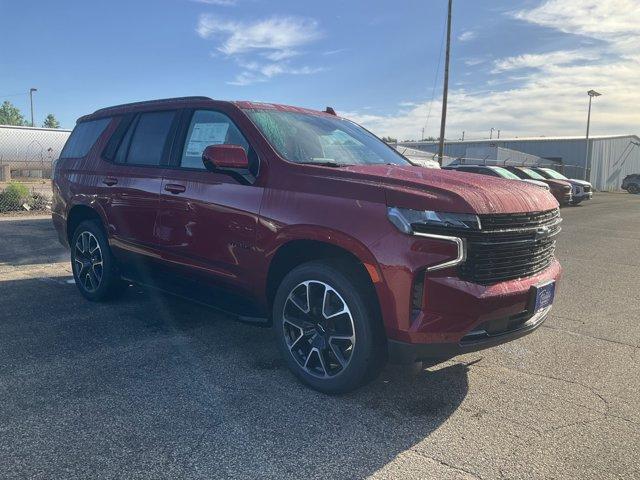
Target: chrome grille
pixel 510 246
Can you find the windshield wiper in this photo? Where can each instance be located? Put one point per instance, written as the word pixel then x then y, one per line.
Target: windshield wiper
pixel 326 164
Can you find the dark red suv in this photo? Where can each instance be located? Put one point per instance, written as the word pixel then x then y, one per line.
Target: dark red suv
pixel 305 220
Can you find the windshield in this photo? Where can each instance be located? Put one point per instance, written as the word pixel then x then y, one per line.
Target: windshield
pixel 504 173
pixel 532 174
pixel 553 174
pixel 306 138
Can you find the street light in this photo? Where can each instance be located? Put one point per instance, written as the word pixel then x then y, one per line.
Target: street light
pixel 31 90
pixel 587 162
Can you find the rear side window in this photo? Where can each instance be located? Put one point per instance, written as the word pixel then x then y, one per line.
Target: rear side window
pixel 149 139
pixel 83 137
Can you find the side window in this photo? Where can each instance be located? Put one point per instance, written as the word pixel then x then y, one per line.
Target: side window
pixel 146 140
pixel 83 137
pixel 210 128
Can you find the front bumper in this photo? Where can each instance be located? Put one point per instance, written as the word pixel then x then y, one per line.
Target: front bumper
pixel 478 339
pixel 582 197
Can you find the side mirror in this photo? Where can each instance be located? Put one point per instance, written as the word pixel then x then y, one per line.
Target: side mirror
pixel 217 157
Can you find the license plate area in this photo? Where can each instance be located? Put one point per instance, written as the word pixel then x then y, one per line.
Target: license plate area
pixel 542 296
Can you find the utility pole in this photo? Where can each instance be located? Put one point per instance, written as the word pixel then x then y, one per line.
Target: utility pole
pixel 587 162
pixel 498 134
pixel 445 92
pixel 31 90
pixel 491 133
pixel 463 135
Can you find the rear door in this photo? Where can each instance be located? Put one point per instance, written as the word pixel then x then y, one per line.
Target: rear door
pixel 138 151
pixel 207 220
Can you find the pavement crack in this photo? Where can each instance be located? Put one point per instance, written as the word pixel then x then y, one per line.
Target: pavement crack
pixel 595 337
pixel 448 465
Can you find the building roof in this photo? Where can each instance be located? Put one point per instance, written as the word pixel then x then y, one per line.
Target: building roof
pixel 42 129
pixel 527 139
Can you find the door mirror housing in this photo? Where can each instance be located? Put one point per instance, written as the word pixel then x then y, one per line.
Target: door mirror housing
pixel 221 157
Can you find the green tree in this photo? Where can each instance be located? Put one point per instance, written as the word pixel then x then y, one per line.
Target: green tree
pixel 389 140
pixel 51 122
pixel 11 115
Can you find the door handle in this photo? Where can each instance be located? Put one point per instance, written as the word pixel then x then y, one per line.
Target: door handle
pixel 175 188
pixel 109 181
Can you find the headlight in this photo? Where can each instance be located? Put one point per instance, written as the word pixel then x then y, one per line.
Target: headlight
pixel 404 219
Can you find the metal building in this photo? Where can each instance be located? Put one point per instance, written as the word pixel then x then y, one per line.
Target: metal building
pixel 611 157
pixel 29 151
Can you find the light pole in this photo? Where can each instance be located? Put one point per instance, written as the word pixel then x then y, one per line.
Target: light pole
pixel 445 90
pixel 491 133
pixel 587 160
pixel 31 90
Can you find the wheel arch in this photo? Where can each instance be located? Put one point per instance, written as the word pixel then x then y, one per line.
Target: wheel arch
pixel 296 250
pixel 78 214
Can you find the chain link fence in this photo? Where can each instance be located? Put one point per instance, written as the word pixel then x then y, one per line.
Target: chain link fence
pixel 26 161
pixel 19 197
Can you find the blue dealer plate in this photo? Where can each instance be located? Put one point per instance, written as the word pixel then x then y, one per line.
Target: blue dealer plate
pixel 544 295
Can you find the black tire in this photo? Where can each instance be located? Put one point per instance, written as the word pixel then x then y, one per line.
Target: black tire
pixel 633 188
pixel 105 278
pixel 359 363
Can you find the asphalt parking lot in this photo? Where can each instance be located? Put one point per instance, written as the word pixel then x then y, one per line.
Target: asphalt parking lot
pixel 152 387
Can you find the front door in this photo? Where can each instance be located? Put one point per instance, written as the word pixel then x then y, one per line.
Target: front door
pixel 207 221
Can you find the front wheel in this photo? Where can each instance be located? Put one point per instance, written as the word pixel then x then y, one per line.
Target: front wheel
pixel 633 188
pixel 327 327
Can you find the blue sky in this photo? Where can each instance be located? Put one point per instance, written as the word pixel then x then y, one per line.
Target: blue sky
pixel 523 67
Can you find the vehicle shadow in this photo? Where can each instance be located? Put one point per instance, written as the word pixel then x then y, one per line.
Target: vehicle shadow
pixel 152 385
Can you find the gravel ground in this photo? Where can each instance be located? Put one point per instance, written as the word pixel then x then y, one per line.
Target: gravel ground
pixel 152 387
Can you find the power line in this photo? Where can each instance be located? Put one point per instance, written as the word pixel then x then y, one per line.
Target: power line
pixel 13 95
pixel 435 79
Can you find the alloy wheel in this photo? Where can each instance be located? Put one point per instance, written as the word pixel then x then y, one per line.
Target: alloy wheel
pixel 318 328
pixel 88 261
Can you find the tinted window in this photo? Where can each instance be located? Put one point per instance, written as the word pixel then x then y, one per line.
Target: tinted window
pixel 83 137
pixel 147 143
pixel 209 128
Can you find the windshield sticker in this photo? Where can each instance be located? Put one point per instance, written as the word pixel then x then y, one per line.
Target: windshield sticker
pixel 205 134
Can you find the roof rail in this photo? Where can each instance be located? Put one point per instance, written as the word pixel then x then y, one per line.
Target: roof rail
pixel 149 102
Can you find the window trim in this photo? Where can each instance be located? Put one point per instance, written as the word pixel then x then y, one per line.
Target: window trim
pixel 110 150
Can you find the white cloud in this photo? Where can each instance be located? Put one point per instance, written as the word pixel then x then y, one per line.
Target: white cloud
pixel 334 52
pixel 472 62
pixel 274 34
pixel 222 3
pixel 269 43
pixel 467 36
pixel 551 99
pixel 542 60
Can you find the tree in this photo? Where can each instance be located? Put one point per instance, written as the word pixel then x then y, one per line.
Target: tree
pixel 51 122
pixel 11 115
pixel 389 140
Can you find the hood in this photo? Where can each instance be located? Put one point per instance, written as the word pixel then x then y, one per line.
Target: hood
pixel 451 191
pixel 538 183
pixel 554 183
pixel 583 183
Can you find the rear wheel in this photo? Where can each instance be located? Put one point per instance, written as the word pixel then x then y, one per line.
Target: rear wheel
pixel 94 267
pixel 634 188
pixel 327 328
